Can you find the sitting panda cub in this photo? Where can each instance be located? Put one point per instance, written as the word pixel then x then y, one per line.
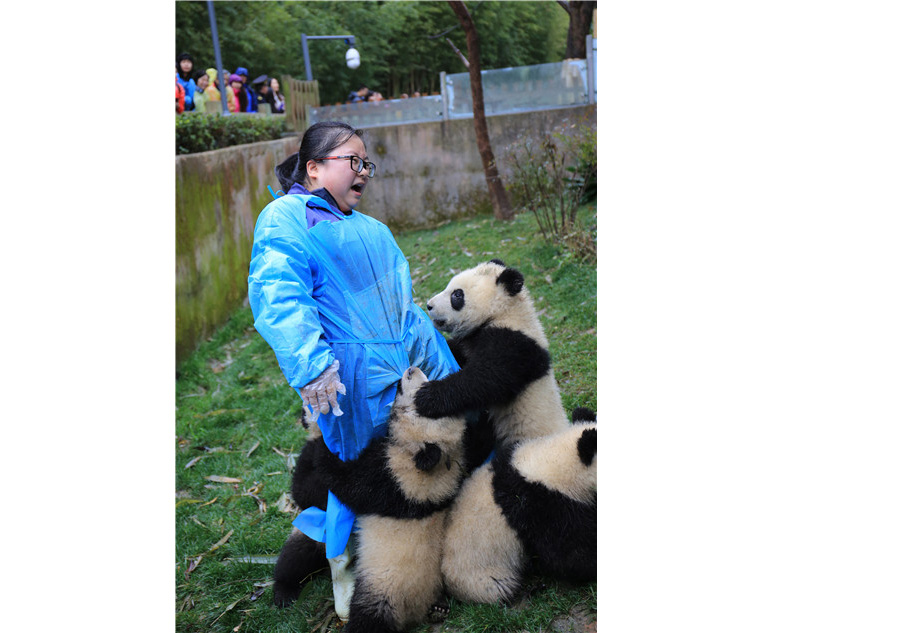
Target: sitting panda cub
pixel 400 488
pixel 535 500
pixel 502 351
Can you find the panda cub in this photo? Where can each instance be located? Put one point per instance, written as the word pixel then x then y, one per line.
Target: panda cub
pixel 400 488
pixel 301 558
pixel 535 500
pixel 502 351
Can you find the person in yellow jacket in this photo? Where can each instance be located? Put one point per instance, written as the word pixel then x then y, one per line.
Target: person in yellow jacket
pixel 212 91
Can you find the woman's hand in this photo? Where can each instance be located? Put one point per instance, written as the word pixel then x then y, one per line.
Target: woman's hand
pixel 322 392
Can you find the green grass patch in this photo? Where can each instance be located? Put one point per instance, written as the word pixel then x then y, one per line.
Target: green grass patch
pixel 237 419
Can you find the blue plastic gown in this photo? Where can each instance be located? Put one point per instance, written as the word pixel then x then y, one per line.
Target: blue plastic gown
pixel 340 290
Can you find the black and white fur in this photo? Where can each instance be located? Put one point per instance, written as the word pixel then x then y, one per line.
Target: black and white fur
pixel 400 487
pixel 535 502
pixel 301 557
pixel 503 353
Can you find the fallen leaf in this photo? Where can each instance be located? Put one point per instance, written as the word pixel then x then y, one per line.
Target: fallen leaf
pixel 193 461
pixel 192 566
pixel 219 544
pixel 213 500
pixel 227 609
pixel 255 595
pixel 223 480
pixel 262 504
pixel 286 504
pixel 184 501
pixel 256 560
pixel 255 446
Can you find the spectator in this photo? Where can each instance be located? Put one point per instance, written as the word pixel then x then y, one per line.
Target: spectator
pixel 263 96
pixel 237 96
pixel 212 92
pixel 376 96
pixel 360 95
pixel 179 98
pixel 261 88
pixel 201 96
pixel 183 67
pixel 276 96
pixel 250 94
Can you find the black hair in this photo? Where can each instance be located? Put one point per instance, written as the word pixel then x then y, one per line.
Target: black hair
pixel 185 76
pixel 318 141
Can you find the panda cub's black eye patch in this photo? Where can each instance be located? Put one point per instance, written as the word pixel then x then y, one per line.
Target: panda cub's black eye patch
pixel 457 299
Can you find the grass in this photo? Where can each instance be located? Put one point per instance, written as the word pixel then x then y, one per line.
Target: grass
pixel 237 433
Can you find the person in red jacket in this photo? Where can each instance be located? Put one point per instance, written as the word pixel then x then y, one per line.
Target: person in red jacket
pixel 179 98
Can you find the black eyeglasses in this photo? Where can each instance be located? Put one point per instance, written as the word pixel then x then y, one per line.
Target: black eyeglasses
pixel 357 164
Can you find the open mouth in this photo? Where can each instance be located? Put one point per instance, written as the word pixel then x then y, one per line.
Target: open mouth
pixel 358 188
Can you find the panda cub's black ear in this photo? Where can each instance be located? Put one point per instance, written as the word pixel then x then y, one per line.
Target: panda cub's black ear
pixel 498 261
pixel 587 446
pixel 512 280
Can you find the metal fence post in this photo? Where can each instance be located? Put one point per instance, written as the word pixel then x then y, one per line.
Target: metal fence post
pixel 445 98
pixel 591 50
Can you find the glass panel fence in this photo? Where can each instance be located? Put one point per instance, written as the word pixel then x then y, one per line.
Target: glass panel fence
pixel 506 90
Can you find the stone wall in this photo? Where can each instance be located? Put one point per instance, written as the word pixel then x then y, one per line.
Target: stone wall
pixel 427 173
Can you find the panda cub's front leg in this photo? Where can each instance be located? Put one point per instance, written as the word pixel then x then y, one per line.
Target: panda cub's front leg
pixel 501 363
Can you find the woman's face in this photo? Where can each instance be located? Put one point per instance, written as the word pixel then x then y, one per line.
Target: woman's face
pixel 344 184
pixel 275 86
pixel 203 82
pixel 236 84
pixel 186 65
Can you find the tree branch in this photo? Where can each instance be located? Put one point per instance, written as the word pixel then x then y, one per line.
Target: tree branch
pixel 458 52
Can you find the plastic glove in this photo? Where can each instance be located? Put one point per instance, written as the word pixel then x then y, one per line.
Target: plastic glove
pixel 322 391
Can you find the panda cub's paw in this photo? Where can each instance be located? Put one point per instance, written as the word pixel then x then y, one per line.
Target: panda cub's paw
pixel 439 611
pixel 428 402
pixel 285 594
pixel 428 457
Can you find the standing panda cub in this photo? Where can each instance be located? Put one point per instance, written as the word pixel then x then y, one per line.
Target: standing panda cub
pixel 503 354
pixel 534 501
pixel 400 488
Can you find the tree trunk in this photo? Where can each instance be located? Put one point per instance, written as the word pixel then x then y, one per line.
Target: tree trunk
pixel 499 200
pixel 581 16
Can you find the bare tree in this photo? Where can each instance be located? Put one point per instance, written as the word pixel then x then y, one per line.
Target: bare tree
pixel 581 15
pixel 499 200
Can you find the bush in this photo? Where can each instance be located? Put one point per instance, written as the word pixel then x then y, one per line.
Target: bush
pixel 201 132
pixel 552 178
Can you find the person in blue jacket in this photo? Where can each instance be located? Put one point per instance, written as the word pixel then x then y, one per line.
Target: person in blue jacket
pixel 183 66
pixel 251 93
pixel 331 293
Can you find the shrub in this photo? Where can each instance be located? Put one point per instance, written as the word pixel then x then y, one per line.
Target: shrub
pixel 552 178
pixel 201 132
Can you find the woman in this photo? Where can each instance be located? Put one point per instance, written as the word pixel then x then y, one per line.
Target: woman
pixel 200 94
pixel 212 91
pixel 276 99
pixel 183 67
pixel 331 293
pixel 237 96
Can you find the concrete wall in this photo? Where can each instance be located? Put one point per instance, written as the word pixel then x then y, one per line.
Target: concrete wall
pixel 218 196
pixel 430 172
pixel 427 173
